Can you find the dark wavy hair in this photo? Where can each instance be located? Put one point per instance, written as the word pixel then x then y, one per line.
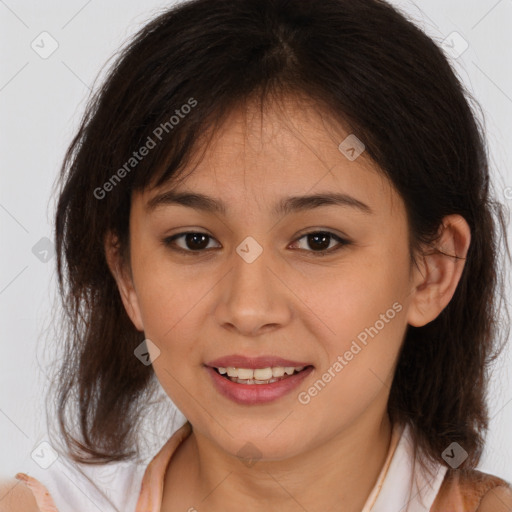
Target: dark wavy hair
pixel 363 63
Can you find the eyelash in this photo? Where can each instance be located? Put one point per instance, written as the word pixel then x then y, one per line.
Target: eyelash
pixel 169 242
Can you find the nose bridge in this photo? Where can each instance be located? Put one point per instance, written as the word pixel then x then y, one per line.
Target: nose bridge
pixel 250 261
pixel 253 296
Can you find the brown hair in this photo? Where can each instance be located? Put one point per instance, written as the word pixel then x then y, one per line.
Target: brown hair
pixel 367 65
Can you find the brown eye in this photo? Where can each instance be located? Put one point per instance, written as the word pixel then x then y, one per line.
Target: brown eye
pixel 320 242
pixel 196 241
pixel 192 241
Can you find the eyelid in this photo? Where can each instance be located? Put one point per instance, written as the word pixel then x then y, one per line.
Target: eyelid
pixel 169 242
pixel 342 242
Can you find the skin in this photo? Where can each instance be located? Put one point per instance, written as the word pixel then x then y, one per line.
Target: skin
pixel 16 497
pixel 289 302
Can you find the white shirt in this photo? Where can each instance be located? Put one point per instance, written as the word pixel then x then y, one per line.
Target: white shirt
pixel 402 485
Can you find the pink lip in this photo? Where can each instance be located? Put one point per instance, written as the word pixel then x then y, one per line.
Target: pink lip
pixel 250 394
pixel 238 361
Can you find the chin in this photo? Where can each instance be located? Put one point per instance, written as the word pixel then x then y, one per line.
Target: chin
pixel 265 443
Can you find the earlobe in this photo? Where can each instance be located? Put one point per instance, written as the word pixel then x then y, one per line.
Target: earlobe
pixel 436 279
pixel 123 279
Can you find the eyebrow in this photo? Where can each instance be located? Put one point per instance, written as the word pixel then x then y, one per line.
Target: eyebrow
pixel 284 207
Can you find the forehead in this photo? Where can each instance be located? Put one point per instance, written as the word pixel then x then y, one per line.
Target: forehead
pixel 288 148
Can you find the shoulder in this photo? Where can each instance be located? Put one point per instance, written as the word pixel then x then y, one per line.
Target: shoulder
pixel 473 491
pixel 16 497
pixel 498 499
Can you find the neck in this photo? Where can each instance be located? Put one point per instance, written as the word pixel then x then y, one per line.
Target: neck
pixel 343 469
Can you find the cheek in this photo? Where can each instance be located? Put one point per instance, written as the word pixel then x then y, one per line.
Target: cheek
pixel 167 294
pixel 360 360
pixel 169 303
pixel 354 297
pixel 365 313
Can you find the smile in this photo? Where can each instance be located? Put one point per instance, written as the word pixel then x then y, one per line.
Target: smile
pixel 251 386
pixel 259 376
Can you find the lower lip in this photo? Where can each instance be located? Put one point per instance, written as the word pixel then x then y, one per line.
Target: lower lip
pixel 250 394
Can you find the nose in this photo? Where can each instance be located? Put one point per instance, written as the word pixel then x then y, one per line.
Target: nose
pixel 254 298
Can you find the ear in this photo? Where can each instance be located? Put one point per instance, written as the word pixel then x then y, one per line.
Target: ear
pixel 436 277
pixel 123 277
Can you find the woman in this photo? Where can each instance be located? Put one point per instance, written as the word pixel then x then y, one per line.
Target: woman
pixel 279 211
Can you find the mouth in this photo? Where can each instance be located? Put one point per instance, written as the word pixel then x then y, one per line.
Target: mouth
pixel 259 376
pixel 257 385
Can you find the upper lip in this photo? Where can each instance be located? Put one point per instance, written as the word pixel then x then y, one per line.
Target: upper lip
pixel 239 361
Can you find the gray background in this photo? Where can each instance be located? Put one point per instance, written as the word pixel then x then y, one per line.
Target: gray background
pixel 41 101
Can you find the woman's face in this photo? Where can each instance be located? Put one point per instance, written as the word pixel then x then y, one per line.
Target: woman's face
pixel 252 284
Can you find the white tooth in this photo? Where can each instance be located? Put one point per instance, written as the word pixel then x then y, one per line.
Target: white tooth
pixel 299 368
pixel 222 371
pixel 254 381
pixel 277 371
pixel 232 372
pixel 289 370
pixel 263 373
pixel 245 373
